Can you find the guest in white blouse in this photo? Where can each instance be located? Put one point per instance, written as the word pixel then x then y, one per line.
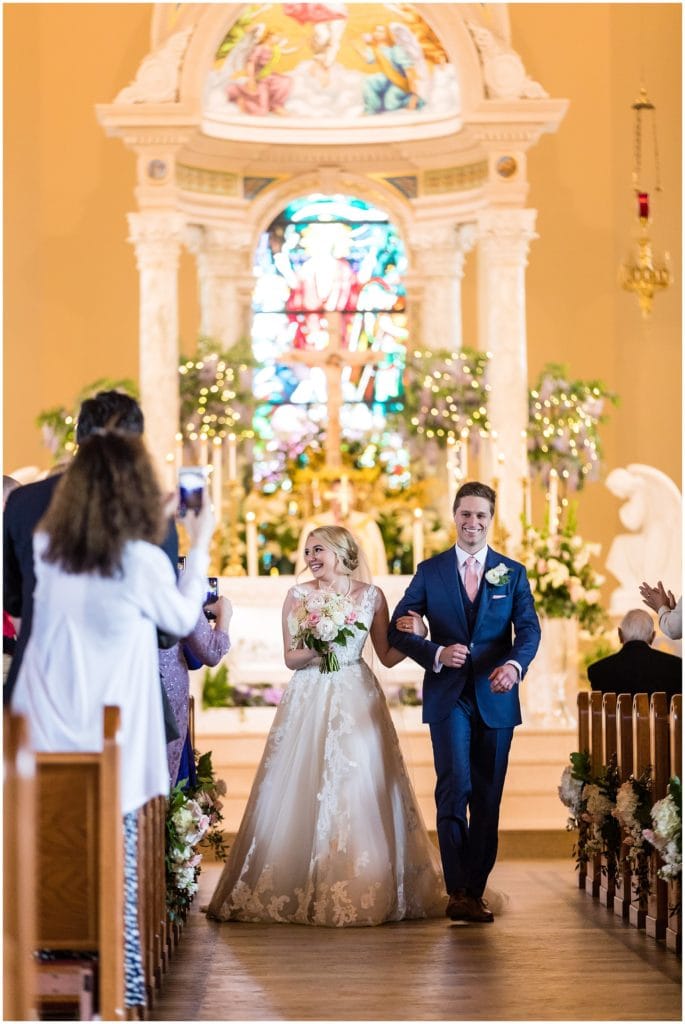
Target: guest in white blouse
pixel 103 586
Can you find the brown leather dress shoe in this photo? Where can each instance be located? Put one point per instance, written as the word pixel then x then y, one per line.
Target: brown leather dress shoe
pixel 462 907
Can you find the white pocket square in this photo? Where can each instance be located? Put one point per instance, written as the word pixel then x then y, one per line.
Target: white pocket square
pixel 499 597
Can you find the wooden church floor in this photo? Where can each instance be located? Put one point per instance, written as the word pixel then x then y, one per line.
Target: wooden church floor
pixel 555 954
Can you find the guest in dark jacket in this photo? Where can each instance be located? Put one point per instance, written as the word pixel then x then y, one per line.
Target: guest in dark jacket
pixel 27 505
pixel 637 667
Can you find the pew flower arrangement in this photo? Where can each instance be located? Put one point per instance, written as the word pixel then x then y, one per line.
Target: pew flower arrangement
pixel 591 800
pixel 666 833
pixel 633 812
pixel 193 817
pixel 563 582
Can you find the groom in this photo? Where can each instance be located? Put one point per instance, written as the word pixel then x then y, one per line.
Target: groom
pixel 471 596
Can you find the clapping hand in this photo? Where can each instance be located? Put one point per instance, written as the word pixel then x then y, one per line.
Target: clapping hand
pixel 657 597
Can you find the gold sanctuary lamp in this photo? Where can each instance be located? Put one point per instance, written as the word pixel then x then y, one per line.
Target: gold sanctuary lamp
pixel 643 274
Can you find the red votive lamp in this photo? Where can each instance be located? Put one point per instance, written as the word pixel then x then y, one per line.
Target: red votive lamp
pixel 643 205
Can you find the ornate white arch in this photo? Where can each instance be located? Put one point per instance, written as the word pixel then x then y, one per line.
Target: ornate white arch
pixel 466 185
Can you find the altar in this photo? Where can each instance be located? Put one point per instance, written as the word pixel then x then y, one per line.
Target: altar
pixel 236 736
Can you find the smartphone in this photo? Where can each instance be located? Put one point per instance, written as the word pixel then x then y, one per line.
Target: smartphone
pixel 212 595
pixel 181 564
pixel 192 483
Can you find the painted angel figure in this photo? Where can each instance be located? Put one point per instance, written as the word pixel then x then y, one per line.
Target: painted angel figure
pixel 248 74
pixel 402 82
pixel 328 23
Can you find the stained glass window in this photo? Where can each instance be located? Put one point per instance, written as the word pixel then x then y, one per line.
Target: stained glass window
pixel 329 328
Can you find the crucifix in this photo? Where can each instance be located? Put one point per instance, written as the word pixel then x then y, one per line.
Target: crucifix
pixel 332 360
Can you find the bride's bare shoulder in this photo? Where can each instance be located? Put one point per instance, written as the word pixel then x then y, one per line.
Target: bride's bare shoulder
pixel 360 590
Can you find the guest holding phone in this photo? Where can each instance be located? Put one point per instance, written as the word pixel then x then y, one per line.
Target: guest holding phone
pixel 205 645
pixel 103 586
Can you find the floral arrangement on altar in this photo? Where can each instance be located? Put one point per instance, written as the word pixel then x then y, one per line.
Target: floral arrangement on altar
pixel 563 582
pixel 321 619
pixel 193 819
pixel 666 832
pixel 563 426
pixel 447 394
pixel 633 812
pixel 219 692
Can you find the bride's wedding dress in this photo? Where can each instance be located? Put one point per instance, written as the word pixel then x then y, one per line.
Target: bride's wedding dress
pixel 332 833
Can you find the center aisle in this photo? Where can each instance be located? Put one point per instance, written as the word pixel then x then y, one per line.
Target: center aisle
pixel 555 954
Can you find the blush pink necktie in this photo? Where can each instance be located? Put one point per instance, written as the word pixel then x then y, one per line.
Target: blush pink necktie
pixel 471 577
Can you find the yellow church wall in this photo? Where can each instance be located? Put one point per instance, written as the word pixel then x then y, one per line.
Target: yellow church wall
pixel 71 285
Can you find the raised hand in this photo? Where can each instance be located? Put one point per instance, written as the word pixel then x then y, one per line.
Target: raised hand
pixel 656 597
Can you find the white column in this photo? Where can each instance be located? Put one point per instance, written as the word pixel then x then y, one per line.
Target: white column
pixel 224 275
pixel 438 252
pixel 504 240
pixel 157 241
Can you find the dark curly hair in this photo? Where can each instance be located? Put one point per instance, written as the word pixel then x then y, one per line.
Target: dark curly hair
pixel 109 409
pixel 108 495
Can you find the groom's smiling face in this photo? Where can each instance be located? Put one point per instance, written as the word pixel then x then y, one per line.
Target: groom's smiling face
pixel 472 518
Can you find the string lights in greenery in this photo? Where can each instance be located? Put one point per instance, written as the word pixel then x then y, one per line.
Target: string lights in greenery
pixel 447 393
pixel 215 392
pixel 563 426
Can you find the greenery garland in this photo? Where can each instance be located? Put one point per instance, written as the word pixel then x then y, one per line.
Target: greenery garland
pixel 563 426
pixel 215 390
pixel 58 425
pixel 446 393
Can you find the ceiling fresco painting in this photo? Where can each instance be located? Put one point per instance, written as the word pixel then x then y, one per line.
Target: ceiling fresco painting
pixel 327 62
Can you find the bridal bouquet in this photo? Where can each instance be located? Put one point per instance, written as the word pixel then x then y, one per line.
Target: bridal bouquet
pixel 320 620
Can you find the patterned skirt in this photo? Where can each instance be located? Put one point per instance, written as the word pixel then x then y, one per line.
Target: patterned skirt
pixel 133 961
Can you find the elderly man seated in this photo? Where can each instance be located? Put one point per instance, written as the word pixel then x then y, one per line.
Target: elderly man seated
pixel 637 667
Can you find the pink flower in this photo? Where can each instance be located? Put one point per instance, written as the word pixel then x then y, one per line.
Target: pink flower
pixel 350 618
pixel 313 619
pixel 542 565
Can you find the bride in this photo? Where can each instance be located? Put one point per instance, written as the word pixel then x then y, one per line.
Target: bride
pixel 332 834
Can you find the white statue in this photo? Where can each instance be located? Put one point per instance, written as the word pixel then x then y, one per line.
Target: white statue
pixel 653 550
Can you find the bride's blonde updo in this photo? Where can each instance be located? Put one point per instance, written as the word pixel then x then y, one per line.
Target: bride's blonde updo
pixel 342 543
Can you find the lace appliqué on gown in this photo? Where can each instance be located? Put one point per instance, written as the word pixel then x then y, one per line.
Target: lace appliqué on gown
pixel 332 834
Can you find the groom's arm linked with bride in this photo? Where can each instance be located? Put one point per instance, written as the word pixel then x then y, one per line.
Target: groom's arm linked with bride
pixel 484 633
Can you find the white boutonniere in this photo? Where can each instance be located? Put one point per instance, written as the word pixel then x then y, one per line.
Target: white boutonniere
pixel 498 576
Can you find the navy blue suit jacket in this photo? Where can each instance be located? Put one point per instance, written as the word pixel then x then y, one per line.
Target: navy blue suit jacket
pixel 506 627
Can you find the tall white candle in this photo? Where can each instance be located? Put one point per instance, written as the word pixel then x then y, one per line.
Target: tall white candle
pixel 203 446
pixel 316 493
pixel 344 496
pixel 251 544
pixel 527 500
pixel 452 469
pixel 417 537
pixel 217 482
pixel 179 452
pixel 170 474
pixel 232 458
pixel 464 455
pixel 553 502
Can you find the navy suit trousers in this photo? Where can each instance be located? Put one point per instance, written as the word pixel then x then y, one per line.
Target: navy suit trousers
pixel 470 764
